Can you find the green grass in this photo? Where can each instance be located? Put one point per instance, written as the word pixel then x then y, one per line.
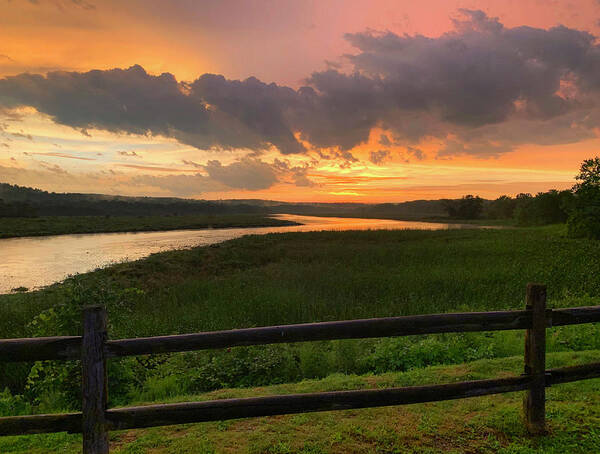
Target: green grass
pixel 307 277
pixel 486 222
pixel 490 424
pixel 59 225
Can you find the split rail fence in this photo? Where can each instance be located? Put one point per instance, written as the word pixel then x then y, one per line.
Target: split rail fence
pixel 93 348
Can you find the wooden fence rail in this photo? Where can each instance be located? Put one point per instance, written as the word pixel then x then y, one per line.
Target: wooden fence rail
pixel 93 349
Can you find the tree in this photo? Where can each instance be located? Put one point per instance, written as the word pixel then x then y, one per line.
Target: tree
pixel 469 207
pixel 589 174
pixel 501 208
pixel 584 219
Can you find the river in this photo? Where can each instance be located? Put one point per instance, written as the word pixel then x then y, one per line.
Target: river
pixel 35 262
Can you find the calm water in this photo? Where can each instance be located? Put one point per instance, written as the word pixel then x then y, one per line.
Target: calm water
pixel 34 262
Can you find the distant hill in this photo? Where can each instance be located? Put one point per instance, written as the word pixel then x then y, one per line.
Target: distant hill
pixel 19 201
pixel 26 202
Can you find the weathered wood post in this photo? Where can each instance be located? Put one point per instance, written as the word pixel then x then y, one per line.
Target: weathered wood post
pixel 94 381
pixel 534 402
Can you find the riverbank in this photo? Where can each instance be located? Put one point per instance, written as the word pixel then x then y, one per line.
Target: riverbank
pixel 34 262
pixel 62 225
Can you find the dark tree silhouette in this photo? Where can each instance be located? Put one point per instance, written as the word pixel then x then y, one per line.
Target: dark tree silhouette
pixel 584 220
pixel 469 207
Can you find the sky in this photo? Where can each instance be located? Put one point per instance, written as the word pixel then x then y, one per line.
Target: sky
pixel 328 101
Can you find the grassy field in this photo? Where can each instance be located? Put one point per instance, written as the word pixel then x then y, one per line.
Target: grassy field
pixel 59 225
pixel 490 424
pixel 305 277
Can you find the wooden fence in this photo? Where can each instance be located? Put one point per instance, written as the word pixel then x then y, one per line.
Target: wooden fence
pixel 93 349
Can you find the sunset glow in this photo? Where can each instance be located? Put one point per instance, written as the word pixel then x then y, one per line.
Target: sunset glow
pixel 405 100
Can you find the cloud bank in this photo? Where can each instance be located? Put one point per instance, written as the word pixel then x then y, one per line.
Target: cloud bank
pixel 482 89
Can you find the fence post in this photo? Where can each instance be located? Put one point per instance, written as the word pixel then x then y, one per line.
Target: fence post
pixel 94 381
pixel 534 402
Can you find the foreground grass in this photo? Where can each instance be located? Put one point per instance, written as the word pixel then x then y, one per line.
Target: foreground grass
pixel 301 277
pixel 307 277
pixel 490 424
pixel 59 225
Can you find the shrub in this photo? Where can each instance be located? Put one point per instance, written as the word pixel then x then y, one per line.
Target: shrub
pixel 52 384
pixel 13 405
pixel 584 221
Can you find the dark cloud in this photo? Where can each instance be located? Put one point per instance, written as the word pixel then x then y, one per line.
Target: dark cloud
pixel 259 107
pixel 340 110
pixel 132 154
pixel 180 185
pixel 211 112
pixel 53 168
pixel 488 87
pixel 247 174
pixel 117 100
pixel 62 155
pixel 83 4
pixel 192 163
pixel 22 135
pixel 250 174
pixel 480 74
pixel 64 4
pixel 302 180
pixel 380 156
pixel 415 153
pixel 384 140
pixel 152 168
pixel 294 174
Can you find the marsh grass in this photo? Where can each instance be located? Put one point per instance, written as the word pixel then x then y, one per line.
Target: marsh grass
pixel 307 277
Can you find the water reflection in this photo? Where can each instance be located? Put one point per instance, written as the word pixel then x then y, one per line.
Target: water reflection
pixel 34 262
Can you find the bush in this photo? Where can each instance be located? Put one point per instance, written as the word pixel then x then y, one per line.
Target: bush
pixel 235 367
pixel 400 354
pixel 13 405
pixel 52 384
pixel 584 221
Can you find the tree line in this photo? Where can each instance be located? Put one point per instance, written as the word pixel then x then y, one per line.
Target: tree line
pixel 551 207
pixel 19 201
pixel 578 207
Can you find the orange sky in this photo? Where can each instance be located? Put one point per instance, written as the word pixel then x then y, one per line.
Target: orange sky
pixel 275 41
